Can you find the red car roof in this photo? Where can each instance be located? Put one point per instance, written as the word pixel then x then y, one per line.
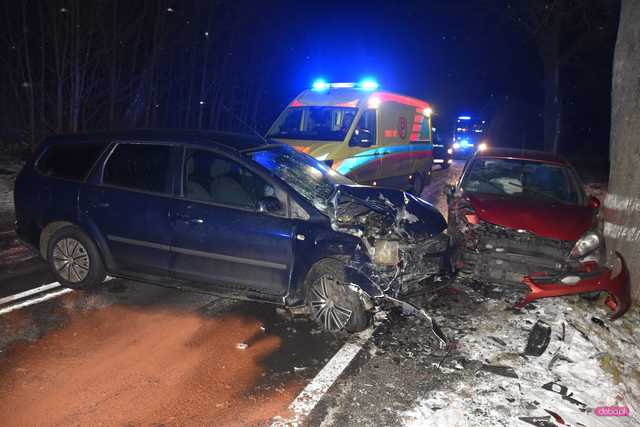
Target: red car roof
pixel 512 153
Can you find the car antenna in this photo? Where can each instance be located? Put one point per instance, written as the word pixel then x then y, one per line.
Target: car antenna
pixel 245 124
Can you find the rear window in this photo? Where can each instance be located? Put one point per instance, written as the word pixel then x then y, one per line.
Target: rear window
pixel 142 167
pixel 70 161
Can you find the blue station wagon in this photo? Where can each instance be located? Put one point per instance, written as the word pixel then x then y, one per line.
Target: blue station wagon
pixel 228 214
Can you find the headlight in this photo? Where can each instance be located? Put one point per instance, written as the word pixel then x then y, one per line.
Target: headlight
pixel 483 146
pixel 589 242
pixel 456 145
pixel 449 151
pixel 386 252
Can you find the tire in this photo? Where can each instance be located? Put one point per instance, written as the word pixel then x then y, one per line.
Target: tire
pixel 427 176
pixel 75 259
pixel 331 303
pixel 418 184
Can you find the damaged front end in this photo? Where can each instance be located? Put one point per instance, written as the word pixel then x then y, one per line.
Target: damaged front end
pixel 402 241
pixel 548 267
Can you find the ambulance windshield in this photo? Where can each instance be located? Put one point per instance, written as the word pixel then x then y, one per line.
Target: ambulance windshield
pixel 314 123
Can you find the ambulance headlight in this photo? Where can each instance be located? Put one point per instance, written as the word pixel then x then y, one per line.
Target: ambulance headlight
pixel 456 146
pixel 483 146
pixel 449 150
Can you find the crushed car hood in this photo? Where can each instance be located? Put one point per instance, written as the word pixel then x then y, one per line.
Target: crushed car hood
pixel 543 218
pixel 411 216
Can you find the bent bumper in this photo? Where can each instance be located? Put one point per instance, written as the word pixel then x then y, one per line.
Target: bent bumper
pixel 618 288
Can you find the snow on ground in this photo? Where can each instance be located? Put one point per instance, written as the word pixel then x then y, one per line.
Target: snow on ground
pixel 586 362
pixel 9 168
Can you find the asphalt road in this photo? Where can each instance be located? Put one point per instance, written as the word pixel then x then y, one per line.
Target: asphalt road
pixel 132 353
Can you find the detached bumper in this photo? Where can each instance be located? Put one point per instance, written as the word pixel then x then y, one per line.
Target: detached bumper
pixel 618 288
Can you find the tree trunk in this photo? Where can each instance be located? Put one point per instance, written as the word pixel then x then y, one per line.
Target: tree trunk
pixel 552 90
pixel 622 226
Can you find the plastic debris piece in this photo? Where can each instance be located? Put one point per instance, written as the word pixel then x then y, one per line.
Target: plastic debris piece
pixel 505 371
pixel 539 338
pixel 242 346
pixel 539 421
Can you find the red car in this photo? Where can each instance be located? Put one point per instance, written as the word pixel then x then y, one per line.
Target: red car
pixel 522 217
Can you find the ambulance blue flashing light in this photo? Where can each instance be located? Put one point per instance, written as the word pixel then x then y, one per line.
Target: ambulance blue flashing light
pixel 368 84
pixel 464 118
pixel 320 85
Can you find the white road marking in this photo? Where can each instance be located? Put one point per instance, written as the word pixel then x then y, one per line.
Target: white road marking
pixel 29 292
pixel 308 398
pixel 35 300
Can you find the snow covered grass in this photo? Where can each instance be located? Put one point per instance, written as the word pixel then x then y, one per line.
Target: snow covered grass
pixel 598 363
pixel 9 168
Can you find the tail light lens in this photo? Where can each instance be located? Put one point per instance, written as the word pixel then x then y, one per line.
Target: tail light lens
pixel 472 218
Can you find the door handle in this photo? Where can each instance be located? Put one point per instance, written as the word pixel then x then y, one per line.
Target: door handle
pixel 187 219
pixel 97 203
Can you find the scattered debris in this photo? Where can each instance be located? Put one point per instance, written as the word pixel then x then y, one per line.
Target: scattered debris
pixel 556 417
pixel 599 322
pixel 566 395
pixel 539 421
pixel 498 340
pixel 539 338
pixel 242 346
pixel 505 371
pixel 299 368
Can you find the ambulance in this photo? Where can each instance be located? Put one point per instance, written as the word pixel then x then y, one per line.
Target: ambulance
pixel 371 136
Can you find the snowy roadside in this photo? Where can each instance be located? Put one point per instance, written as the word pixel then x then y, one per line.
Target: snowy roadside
pixel 9 169
pixel 485 378
pixel 590 362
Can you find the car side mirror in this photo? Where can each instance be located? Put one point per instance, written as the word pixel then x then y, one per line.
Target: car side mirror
pixel 268 204
pixel 361 138
pixel 449 191
pixel 594 202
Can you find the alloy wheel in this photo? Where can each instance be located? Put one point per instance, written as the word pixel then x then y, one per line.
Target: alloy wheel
pixel 71 260
pixel 327 304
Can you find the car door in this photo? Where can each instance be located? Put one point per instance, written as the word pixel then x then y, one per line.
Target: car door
pixel 219 235
pixel 362 162
pixel 129 205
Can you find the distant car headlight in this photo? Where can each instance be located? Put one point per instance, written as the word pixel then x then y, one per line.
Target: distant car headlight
pixel 588 243
pixel 449 151
pixel 483 146
pixel 386 252
pixel 456 146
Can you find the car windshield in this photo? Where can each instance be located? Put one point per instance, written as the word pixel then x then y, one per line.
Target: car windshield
pixel 312 179
pixel 522 178
pixel 314 123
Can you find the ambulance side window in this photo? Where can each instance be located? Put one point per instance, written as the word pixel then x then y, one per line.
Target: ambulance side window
pixel 365 133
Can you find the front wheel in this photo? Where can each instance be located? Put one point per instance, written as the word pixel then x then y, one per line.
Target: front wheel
pixel 74 259
pixel 332 304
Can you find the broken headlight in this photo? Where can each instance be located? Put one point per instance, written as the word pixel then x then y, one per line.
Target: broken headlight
pixel 588 243
pixel 386 252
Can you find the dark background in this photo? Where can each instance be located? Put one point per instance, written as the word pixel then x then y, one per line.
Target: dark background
pixel 77 65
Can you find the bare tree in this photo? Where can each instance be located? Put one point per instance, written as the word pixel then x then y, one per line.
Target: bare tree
pixel 561 29
pixel 622 228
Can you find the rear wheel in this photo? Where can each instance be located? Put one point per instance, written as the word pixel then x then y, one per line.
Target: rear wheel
pixel 74 259
pixel 417 185
pixel 332 304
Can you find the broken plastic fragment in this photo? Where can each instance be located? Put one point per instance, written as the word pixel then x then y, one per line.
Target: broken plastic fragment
pixel 539 338
pixel 505 371
pixel 242 346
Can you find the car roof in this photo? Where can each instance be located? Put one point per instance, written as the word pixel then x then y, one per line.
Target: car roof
pixel 237 141
pixel 518 154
